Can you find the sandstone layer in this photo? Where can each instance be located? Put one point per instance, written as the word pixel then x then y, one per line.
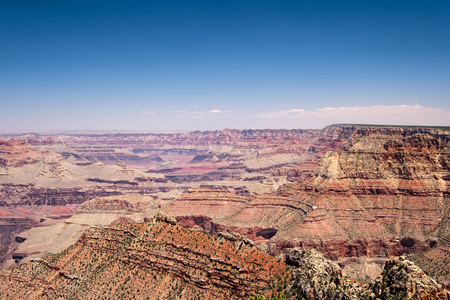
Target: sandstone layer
pixel 152 260
pixel 159 259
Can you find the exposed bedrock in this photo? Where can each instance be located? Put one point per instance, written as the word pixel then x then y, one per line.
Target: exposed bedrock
pixel 158 256
pixel 205 224
pixel 315 277
pixel 397 189
pixel 335 249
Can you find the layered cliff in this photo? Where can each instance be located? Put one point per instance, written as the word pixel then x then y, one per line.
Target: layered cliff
pixel 262 218
pixel 379 192
pixel 152 260
pixel 385 194
pixel 159 259
pixel 396 189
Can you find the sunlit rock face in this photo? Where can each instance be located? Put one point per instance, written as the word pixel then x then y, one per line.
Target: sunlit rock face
pixel 151 260
pixel 385 194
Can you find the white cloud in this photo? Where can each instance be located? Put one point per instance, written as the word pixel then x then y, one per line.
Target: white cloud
pixel 202 114
pixel 377 114
pixel 146 112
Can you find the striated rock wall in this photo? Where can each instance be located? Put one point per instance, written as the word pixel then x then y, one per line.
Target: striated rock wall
pixel 335 249
pixel 396 189
pixel 153 260
pixel 259 217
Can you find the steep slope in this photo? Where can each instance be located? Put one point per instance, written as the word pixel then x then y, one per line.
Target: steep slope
pixel 159 259
pixel 152 260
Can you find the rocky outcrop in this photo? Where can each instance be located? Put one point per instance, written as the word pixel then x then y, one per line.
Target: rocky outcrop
pixel 315 277
pixel 318 278
pixel 152 260
pixel 401 279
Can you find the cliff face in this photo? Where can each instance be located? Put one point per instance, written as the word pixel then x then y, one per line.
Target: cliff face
pixel 396 189
pixel 386 193
pixel 153 260
pixel 260 217
pixel 377 135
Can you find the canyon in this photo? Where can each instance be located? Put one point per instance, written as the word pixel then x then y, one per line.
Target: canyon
pixel 159 259
pixel 360 195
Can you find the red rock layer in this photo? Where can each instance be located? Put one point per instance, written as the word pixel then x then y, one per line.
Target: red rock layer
pixel 153 260
pixel 279 215
pixel 15 154
pixel 398 189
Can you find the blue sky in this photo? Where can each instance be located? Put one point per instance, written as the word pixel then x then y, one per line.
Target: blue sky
pixel 187 65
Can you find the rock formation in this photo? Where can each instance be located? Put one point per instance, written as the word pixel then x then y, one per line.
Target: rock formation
pixel 152 260
pixel 159 259
pixel 359 194
pixel 402 279
pixel 381 196
pixel 51 238
pixel 315 277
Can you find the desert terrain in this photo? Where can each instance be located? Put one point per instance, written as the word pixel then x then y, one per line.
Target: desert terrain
pixel 365 198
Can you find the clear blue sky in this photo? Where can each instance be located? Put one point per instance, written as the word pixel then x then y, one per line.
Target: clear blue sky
pixel 169 65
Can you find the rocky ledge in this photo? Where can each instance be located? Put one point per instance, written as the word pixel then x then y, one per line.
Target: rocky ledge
pixel 151 260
